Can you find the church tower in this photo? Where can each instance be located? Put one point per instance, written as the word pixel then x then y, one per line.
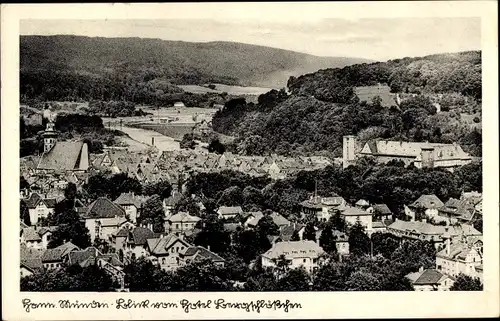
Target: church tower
pixel 49 137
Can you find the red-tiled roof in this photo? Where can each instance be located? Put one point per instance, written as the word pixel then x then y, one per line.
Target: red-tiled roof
pixel 429 276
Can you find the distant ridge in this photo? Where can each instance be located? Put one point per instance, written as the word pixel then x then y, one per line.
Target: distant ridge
pixel 181 62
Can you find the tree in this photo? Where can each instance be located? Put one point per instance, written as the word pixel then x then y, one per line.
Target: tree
pixel 337 222
pixel 24 213
pixel 153 213
pixel 466 283
pixel 266 226
pixel 359 242
pixel 231 196
pixel 326 240
pixel 216 146
pixel 162 188
pixel 294 280
pixel 142 276
pixel 72 278
pixel 70 191
pixel 213 235
pixel 201 276
pixel 187 141
pixel 309 232
pixel 69 228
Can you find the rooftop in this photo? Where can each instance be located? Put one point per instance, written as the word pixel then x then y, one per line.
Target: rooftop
pixel 294 249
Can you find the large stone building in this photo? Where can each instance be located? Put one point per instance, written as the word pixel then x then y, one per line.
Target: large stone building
pixel 421 154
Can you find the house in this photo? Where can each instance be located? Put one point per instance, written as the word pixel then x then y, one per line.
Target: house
pixel 340 238
pixel 455 211
pixel 428 205
pixel 30 260
pixel 136 244
pixel 110 263
pixel 167 250
pixel 132 204
pixel 458 257
pixel 37 237
pixel 277 218
pixel 170 202
pixel 102 218
pixel 381 212
pixel 56 257
pixel 421 154
pixel 354 214
pixel 296 254
pixel 198 254
pixel 430 280
pixel 228 212
pixel 181 222
pixel 428 232
pixel 322 207
pixel 62 156
pixel 39 208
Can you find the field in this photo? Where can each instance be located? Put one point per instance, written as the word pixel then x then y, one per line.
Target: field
pixel 231 90
pixel 368 92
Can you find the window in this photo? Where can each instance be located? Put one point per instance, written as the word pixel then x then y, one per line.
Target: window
pixel 172 250
pixel 304 260
pixel 177 226
pixel 163 261
pixel 177 249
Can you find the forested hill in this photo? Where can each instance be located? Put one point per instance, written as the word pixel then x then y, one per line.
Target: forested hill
pixel 176 61
pixel 441 73
pixel 323 106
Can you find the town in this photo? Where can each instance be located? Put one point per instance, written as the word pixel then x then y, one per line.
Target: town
pixel 158 165
pixel 132 215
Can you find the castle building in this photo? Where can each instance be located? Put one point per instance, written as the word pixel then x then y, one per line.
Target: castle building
pixel 421 154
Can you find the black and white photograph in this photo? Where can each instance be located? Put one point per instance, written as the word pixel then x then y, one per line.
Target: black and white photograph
pixel 221 154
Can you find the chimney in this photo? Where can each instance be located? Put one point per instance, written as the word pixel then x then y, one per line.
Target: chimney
pixel 448 245
pixel 152 141
pixel 348 150
pixel 427 155
pixel 208 247
pixel 424 220
pixel 421 269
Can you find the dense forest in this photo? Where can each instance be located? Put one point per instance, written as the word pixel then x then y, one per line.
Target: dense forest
pixel 322 107
pixel 146 70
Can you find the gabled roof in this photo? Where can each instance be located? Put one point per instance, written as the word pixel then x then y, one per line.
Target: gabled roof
pixel 130 199
pixel 198 253
pixel 184 217
pixel 35 199
pixel 430 201
pixel 229 210
pixel 63 156
pixel 381 209
pixel 139 235
pixel 57 254
pixel 294 249
pixel 103 208
pixel 78 257
pixel 354 211
pixel 160 246
pixel 31 235
pixel 430 277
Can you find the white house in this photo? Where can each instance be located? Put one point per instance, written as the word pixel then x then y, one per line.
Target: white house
pixel 296 253
pixel 322 207
pixel 428 205
pixel 355 214
pixel 132 204
pixel 103 218
pixel 459 257
pixel 181 222
pixel 430 280
pixel 227 212
pixel 39 207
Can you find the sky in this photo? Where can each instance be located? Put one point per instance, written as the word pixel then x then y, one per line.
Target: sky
pixel 374 38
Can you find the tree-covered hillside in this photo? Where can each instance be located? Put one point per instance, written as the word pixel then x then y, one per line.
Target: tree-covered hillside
pixel 133 69
pixel 322 107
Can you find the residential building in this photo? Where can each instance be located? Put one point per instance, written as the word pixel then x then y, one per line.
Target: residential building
pixel 199 253
pixel 277 218
pixel 39 207
pixel 458 257
pixel 132 204
pixel 30 260
pixel 322 207
pixel 456 211
pixel 103 218
pixel 429 232
pixel 56 257
pixel 430 280
pixel 354 214
pixel 427 205
pixel 381 212
pixel 166 250
pixel 181 222
pixel 136 242
pixel 296 253
pixel 229 212
pixel 37 237
pixel 170 202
